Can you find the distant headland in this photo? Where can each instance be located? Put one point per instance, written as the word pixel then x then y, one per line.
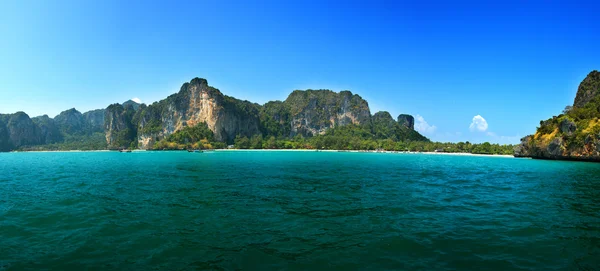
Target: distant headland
pixel 572 135
pixel 201 117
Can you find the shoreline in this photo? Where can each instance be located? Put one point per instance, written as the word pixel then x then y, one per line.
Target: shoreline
pixel 287 150
pixel 363 151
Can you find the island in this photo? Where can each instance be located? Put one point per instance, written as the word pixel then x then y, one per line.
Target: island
pixel 572 135
pixel 200 116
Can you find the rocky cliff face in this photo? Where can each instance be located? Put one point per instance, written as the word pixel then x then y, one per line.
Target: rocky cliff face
pixel 73 122
pixel 49 130
pixel 119 127
pixel 5 144
pixel 588 89
pixel 384 120
pixel 22 131
pixel 574 135
pixel 304 113
pixel 94 120
pixel 407 121
pixel 384 127
pixel 312 112
pixel 198 102
pixel 18 130
pixel 70 121
pixel 133 104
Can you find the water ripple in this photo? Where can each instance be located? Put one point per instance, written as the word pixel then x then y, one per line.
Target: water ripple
pixel 296 211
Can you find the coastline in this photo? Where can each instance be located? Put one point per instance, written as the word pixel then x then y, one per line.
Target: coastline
pixel 362 151
pixel 288 150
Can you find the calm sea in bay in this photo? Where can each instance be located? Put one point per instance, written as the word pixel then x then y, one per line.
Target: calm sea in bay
pixel 267 210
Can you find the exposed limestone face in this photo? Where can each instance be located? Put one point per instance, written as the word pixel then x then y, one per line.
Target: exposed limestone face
pixel 50 132
pixel 523 149
pixel 94 120
pixel 5 144
pixel 70 121
pixel 567 127
pixel 312 112
pixel 407 121
pixel 119 127
pixel 129 125
pixel 198 102
pixel 573 135
pixel 22 131
pixel 588 89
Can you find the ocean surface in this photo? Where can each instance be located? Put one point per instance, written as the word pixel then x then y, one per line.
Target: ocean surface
pixel 261 210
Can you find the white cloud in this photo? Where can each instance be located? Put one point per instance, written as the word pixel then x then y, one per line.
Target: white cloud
pixel 478 124
pixel 137 100
pixel 422 126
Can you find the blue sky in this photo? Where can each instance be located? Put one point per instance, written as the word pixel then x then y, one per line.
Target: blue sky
pixel 513 63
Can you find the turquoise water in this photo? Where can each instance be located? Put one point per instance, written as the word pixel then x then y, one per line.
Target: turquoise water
pixel 296 211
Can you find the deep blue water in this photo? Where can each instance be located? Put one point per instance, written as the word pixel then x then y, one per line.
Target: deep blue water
pixel 296 211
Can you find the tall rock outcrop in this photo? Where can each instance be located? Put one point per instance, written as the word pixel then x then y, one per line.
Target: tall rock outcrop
pixel 385 127
pixel 197 102
pixel 133 104
pixel 574 135
pixel 5 144
pixel 94 120
pixel 119 126
pixel 70 121
pixel 49 130
pixel 73 122
pixel 588 89
pixel 407 121
pixel 22 131
pixel 304 113
pixel 312 112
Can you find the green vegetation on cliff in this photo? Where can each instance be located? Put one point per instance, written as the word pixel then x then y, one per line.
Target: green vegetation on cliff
pixel 200 116
pixel 196 137
pixel 122 131
pixel 572 132
pixel 573 135
pixel 588 89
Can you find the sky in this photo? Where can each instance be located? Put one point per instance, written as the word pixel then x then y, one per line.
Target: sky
pixel 467 70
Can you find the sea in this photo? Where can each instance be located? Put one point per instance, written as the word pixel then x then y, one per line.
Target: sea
pixel 296 210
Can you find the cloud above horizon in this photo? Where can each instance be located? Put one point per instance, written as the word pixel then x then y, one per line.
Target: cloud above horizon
pixel 137 100
pixel 478 124
pixel 422 126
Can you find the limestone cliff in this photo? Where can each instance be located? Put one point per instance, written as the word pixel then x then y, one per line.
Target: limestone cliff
pixel 21 130
pixel 94 120
pixel 133 104
pixel 407 121
pixel 119 127
pixel 312 112
pixel 70 121
pixel 385 127
pixel 198 102
pixel 5 144
pixel 588 89
pixel 304 113
pixel 574 135
pixel 49 130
